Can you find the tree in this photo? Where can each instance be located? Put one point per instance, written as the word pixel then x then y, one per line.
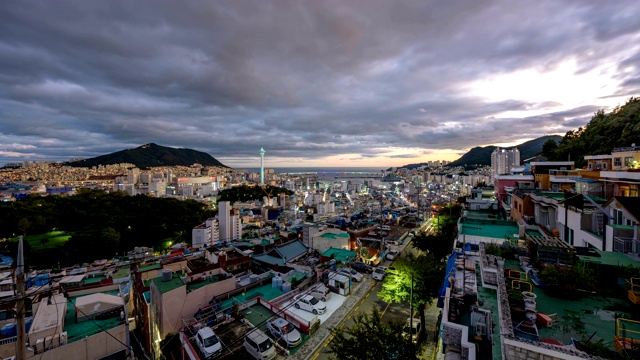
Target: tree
pixel 549 149
pixel 24 225
pixel 371 338
pixel 422 272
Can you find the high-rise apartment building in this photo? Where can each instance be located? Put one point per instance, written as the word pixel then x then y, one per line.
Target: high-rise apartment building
pixel 224 217
pixel 503 160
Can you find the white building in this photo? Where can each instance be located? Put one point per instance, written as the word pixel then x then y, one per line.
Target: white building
pixel 503 160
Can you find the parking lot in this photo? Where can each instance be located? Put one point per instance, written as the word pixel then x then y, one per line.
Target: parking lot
pixel 332 304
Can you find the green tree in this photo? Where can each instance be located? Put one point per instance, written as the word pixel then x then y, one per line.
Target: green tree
pixel 371 338
pixel 549 149
pixel 24 224
pixel 423 273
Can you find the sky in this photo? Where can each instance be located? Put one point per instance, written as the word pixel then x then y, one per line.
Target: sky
pixel 315 83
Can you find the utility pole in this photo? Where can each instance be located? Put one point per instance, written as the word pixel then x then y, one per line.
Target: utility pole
pixel 411 310
pixel 21 351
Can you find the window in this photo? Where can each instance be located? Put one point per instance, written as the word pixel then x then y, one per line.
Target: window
pixel 628 161
pixel 631 222
pixel 604 166
pixel 617 161
pixel 617 216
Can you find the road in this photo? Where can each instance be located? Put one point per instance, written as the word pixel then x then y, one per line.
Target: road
pixel 387 310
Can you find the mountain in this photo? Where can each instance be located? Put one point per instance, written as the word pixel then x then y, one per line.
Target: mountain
pixel 482 155
pixel 151 155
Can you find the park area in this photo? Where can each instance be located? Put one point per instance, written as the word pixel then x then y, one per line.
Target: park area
pixel 50 240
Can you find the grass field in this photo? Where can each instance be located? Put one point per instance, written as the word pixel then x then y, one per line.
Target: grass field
pixel 48 240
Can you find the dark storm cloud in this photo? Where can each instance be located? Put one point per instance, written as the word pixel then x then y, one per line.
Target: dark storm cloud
pixel 304 80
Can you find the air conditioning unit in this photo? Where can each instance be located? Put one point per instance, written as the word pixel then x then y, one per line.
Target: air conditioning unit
pixel 39 346
pixel 63 338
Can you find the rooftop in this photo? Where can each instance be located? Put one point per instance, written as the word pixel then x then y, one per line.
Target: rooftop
pixel 78 331
pixel 497 229
pixel 150 267
pixel 333 235
pixel 610 258
pixel 340 254
pixel 166 286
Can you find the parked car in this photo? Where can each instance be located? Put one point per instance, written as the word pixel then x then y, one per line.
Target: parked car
pixel 259 345
pixel 385 228
pixel 208 343
pixel 354 275
pixel 320 292
pixel 310 304
pixel 379 273
pixel 391 255
pixel 362 267
pixel 412 329
pixel 281 329
pixel 392 242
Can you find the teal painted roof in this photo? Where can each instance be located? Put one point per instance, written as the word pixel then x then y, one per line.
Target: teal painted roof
pixel 340 254
pixel 334 236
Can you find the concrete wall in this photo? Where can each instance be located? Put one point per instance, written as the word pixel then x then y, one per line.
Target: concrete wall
pixel 177 304
pixel 92 347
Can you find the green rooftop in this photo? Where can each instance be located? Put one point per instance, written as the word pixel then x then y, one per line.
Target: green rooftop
pixel 610 258
pixel 200 283
pixel 340 254
pixel 267 292
pixel 78 331
pixel 551 194
pixel 122 272
pixel 585 314
pixel 166 286
pixel 150 267
pixel 93 279
pixel 334 236
pixel 496 229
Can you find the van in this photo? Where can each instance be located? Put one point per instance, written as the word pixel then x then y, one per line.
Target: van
pixel 208 343
pixel 259 345
pixel 320 292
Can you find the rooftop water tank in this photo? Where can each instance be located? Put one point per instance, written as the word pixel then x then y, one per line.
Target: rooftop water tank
pixel 166 275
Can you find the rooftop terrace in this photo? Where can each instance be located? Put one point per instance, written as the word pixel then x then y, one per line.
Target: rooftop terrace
pixel 497 229
pixel 78 331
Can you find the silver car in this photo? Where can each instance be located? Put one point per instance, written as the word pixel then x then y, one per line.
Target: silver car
pixel 378 274
pixel 354 275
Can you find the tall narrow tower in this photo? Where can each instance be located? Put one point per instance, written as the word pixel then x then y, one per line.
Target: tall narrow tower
pixel 261 166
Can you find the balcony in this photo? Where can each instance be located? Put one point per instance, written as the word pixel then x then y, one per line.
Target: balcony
pixel 626 245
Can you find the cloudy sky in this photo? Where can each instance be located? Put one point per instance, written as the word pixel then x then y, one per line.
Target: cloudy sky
pixel 316 83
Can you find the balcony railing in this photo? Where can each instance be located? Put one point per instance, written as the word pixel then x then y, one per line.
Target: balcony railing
pixel 626 245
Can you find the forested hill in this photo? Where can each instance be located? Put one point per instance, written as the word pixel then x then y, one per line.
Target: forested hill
pixel 482 155
pixel 151 155
pixel 603 133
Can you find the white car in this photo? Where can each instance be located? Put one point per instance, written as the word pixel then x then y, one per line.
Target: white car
pixel 310 304
pixel 379 273
pixel 259 345
pixel 354 275
pixel 282 329
pixel 391 255
pixel 208 343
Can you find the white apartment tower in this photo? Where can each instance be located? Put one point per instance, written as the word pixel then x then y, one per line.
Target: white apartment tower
pixel 224 217
pixel 503 160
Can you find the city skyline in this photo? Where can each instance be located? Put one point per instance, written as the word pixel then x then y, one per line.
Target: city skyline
pixel 318 84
